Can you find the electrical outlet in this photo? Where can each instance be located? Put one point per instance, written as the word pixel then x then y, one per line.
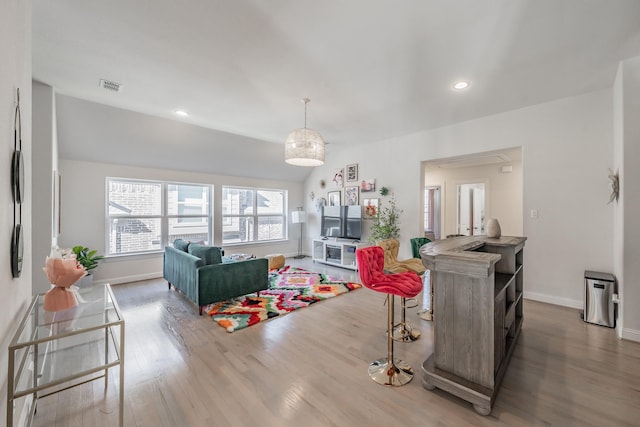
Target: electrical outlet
pixel 534 213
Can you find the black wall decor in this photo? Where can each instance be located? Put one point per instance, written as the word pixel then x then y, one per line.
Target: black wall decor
pixel 17 189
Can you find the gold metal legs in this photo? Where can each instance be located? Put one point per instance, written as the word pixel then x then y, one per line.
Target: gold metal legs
pixel 404 331
pixel 387 371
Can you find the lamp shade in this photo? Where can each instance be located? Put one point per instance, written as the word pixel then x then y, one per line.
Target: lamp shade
pixel 304 147
pixel 298 217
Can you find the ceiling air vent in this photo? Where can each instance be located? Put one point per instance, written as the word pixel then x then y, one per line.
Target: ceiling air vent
pixel 109 85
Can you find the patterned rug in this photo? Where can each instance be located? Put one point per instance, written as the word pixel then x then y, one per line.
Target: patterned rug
pixel 290 288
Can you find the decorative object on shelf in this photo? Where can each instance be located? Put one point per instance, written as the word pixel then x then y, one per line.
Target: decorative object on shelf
pixel 370 208
pixel 63 270
pixel 89 260
pixel 493 228
pixel 352 172
pixel 384 191
pixel 87 257
pixel 334 198
pixel 387 224
pixel 338 178
pixel 304 147
pixel 17 190
pixel 351 196
pixel 299 217
pixel 368 185
pixel 615 186
pixel 320 202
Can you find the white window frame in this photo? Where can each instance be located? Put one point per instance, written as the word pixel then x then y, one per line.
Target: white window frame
pixel 163 216
pixel 255 216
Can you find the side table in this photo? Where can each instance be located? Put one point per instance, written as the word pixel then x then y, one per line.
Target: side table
pixel 54 351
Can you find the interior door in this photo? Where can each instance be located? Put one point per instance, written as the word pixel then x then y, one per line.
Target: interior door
pixel 471 209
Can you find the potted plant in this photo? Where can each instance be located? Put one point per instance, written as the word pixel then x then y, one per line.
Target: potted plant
pixel 88 258
pixel 386 223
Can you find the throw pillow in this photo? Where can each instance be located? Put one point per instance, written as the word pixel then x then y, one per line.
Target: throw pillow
pixel 208 254
pixel 180 244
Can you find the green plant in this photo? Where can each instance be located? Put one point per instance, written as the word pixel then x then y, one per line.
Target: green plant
pixel 86 257
pixel 386 224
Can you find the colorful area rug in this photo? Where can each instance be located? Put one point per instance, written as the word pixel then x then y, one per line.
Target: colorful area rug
pixel 290 288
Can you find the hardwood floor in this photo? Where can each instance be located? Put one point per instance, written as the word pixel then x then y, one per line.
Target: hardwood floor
pixel 309 368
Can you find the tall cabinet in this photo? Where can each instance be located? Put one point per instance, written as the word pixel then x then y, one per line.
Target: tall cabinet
pixel 478 285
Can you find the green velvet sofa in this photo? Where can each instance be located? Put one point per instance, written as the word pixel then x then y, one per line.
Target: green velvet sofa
pixel 198 271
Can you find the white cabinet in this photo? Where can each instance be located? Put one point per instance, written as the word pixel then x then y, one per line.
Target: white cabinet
pixel 341 253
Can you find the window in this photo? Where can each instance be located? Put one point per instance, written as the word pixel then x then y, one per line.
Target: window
pixel 145 216
pixel 252 215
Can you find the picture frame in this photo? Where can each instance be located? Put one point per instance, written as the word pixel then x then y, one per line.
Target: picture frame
pixel 351 195
pixel 371 208
pixel 352 172
pixel 337 179
pixel 333 198
pixel 368 185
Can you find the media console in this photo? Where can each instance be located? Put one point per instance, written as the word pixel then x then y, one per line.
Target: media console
pixel 341 253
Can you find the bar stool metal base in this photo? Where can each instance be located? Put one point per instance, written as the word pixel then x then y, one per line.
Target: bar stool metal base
pixel 397 373
pixel 405 333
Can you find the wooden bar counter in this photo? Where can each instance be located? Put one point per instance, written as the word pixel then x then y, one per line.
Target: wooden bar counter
pixel 477 283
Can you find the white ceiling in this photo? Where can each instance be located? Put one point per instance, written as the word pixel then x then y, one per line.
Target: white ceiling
pixel 373 69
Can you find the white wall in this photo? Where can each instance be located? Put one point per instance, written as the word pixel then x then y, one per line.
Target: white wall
pixel 503 192
pixel 567 151
pixel 627 209
pixel 83 214
pixel 15 72
pixel 45 162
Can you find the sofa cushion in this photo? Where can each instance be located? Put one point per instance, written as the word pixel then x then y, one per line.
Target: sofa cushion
pixel 183 245
pixel 209 254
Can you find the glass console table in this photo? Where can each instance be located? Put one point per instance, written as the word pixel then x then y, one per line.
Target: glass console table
pixel 54 351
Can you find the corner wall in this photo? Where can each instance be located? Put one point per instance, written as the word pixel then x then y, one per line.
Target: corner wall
pixel 627 209
pixel 45 162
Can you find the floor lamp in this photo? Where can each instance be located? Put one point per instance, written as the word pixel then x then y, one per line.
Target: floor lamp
pixel 299 217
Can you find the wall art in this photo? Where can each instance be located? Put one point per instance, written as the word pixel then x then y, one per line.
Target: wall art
pixel 352 172
pixel 351 196
pixel 334 198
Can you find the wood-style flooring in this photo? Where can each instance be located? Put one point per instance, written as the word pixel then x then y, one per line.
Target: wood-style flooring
pixel 309 368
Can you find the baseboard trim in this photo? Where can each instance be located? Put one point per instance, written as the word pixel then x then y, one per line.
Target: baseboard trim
pixel 565 302
pixel 630 334
pixel 132 278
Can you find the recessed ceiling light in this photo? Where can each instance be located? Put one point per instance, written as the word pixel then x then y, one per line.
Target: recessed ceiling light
pixel 181 113
pixel 461 85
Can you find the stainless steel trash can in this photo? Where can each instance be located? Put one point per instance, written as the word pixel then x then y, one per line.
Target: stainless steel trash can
pixel 598 298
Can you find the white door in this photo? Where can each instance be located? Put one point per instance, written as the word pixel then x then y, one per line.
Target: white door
pixel 470 209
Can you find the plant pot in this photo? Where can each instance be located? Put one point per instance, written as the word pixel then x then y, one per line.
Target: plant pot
pixel 85 281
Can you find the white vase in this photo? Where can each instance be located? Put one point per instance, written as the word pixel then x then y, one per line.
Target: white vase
pixel 493 228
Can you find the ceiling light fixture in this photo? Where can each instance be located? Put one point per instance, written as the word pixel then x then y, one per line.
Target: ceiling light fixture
pixel 181 113
pixel 304 147
pixel 461 85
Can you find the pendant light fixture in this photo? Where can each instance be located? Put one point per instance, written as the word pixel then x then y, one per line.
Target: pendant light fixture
pixel 304 147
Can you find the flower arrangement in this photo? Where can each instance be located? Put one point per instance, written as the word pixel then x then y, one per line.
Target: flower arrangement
pixel 62 270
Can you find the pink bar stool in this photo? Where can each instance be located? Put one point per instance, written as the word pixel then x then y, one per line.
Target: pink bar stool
pixel 387 371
